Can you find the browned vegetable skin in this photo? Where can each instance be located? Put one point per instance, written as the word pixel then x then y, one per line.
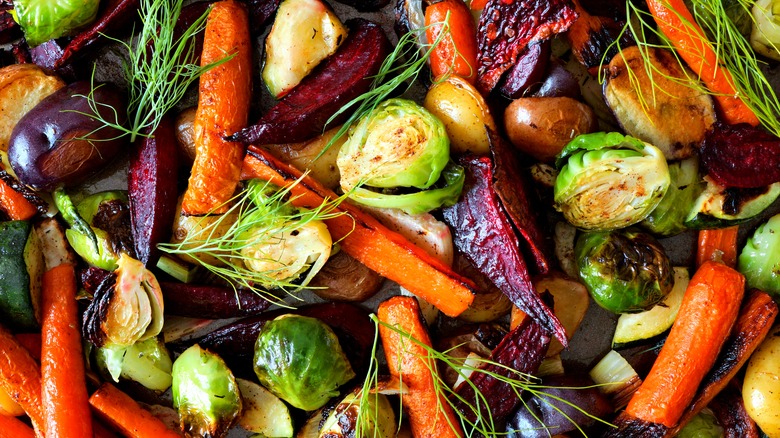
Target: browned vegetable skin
pixel 522 350
pixel 729 409
pixel 304 111
pixel 345 279
pixel 592 38
pixel 752 326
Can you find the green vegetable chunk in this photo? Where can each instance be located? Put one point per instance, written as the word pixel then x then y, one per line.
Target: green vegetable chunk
pixel 16 306
pixel 42 20
pixel 205 393
pixel 759 260
pixel 703 425
pixel 668 218
pixel 765 35
pixel 300 360
pixel 609 181
pixel 625 271
pixel 146 362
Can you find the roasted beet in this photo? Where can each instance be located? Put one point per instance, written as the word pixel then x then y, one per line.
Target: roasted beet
pixel 506 28
pixel 303 112
pixel 214 302
pixel 151 181
pixel 56 143
pixel 559 82
pixel 366 5
pixel 528 71
pixel 260 13
pixel 741 156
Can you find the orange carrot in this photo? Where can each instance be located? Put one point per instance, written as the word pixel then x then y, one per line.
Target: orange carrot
pixel 707 313
pixel 457 52
pixel 127 416
pixel 718 245
pixel 64 388
pixel 16 206
pixel 11 427
pixel 365 239
pixel 676 22
pixel 477 5
pixel 31 342
pixel 20 377
pixel 429 414
pixel 223 109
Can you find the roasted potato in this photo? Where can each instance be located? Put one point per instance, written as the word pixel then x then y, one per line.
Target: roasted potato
pixel 762 384
pixel 345 279
pixel 662 109
pixel 185 136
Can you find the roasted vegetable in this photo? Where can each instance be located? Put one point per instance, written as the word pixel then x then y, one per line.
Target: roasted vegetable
pixel 205 393
pixel 315 156
pixel 60 141
pixel 720 207
pixel 43 20
pixel 668 218
pixel 375 415
pixel 290 54
pixel 761 385
pixel 263 413
pixel 598 37
pixel 759 260
pixel 609 181
pixel 21 268
pixel 300 360
pixel 741 156
pixel 528 72
pixel 624 271
pixel 146 362
pixel 703 425
pixel 765 36
pixel 22 87
pixel 649 94
pixel 107 218
pixel 345 279
pixel 209 301
pixel 456 51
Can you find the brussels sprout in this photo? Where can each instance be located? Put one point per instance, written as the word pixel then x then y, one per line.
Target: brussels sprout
pixel 375 415
pixel 765 37
pixel 419 202
pixel 205 393
pixel 300 360
pixel 668 218
pixel 146 362
pixel 625 271
pixel 609 181
pixel 399 144
pixel 43 20
pixel 703 425
pixel 759 260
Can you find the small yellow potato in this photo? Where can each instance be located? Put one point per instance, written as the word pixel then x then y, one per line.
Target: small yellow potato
pixel 542 126
pixel 464 113
pixel 761 388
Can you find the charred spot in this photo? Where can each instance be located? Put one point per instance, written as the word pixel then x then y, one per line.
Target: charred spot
pixel 734 199
pixel 97 311
pixel 113 217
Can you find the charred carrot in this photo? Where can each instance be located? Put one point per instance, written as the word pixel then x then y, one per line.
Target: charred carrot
pixel 15 205
pixel 20 377
pixel 365 239
pixel 753 324
pixel 457 50
pixel 64 388
pixel 707 313
pixel 676 22
pixel 429 413
pixel 11 427
pixel 127 416
pixel 31 342
pixel 718 245
pixel 223 109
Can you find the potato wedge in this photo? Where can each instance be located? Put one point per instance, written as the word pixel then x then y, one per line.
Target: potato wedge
pixel 658 108
pixel 22 86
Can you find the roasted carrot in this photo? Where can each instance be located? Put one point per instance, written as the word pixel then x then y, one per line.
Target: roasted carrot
pixel 14 204
pixel 127 416
pixel 457 50
pixel 64 388
pixel 365 239
pixel 223 109
pixel 31 342
pixel 429 413
pixel 678 25
pixel 20 377
pixel 11 427
pixel 718 245
pixel 477 5
pixel 706 315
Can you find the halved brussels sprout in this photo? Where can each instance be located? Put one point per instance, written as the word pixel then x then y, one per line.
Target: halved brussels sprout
pixel 350 418
pixel 625 271
pixel 609 181
pixel 301 361
pixel 668 218
pixel 146 362
pixel 703 425
pixel 43 20
pixel 205 393
pixel 399 144
pixel 759 260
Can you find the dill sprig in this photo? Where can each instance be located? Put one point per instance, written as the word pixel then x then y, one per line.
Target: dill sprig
pixel 159 66
pixel 733 51
pixel 262 214
pixel 484 425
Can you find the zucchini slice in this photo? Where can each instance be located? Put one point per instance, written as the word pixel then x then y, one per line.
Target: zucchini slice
pixel 16 304
pixel 633 327
pixel 720 207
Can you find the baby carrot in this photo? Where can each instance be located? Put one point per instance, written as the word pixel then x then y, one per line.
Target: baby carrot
pixel 457 50
pixel 12 427
pixel 223 109
pixel 64 388
pixel 718 245
pixel 127 416
pixel 20 377
pixel 429 414
pixel 15 205
pixel 706 315
pixel 676 22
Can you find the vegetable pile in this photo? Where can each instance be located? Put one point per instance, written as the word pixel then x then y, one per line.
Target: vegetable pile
pixel 342 231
